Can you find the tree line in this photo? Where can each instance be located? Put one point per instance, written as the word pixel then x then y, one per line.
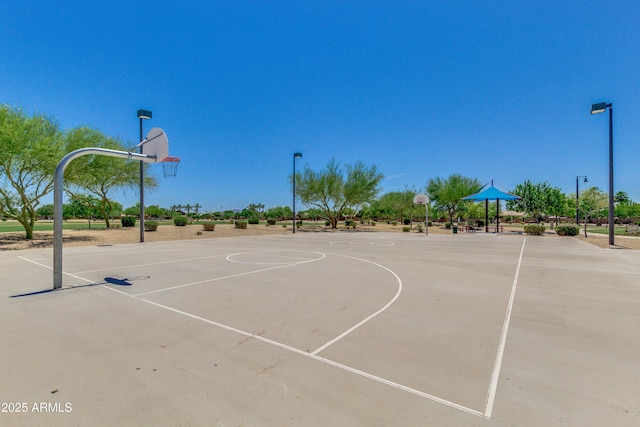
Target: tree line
pixel 32 145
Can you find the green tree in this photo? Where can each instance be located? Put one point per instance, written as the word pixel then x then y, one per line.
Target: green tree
pixel 397 204
pixel 447 194
pixel 132 210
pixel 335 191
pixel 279 212
pixel 593 202
pixel 30 149
pixel 45 211
pixel 85 206
pixel 154 211
pixel 556 203
pixel 621 197
pixel 98 174
pixel 533 199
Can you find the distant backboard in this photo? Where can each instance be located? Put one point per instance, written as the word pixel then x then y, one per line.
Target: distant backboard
pixel 421 199
pixel 157 145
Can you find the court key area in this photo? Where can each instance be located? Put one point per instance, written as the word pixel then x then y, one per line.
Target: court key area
pixel 323 329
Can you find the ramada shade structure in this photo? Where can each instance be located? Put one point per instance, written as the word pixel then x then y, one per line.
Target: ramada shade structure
pixel 489 192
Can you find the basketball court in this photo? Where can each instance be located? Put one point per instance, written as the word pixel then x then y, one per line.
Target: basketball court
pixel 343 328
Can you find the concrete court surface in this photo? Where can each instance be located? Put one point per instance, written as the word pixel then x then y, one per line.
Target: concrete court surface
pixel 323 329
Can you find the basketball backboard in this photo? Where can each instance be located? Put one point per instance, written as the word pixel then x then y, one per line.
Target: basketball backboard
pixel 156 144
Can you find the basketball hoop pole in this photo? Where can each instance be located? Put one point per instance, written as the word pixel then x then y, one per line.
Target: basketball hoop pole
pixel 423 199
pixel 57 198
pixel 142 115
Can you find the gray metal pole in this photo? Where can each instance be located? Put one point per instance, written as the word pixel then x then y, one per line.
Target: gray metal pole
pixel 577 214
pixel 427 219
pixel 611 207
pixel 141 190
pixel 57 199
pixel 294 193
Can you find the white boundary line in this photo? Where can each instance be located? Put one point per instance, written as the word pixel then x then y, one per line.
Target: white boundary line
pixel 495 375
pixel 365 320
pixel 312 356
pixel 246 273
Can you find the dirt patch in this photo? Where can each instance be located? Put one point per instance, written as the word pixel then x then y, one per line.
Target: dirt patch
pixel 44 239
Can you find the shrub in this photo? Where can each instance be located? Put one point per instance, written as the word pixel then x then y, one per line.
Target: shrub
pixel 534 229
pixel 567 230
pixel 209 226
pixel 420 228
pixel 150 225
pixel 128 221
pixel 406 229
pixel 406 221
pixel 394 222
pixel 271 221
pixel 299 223
pixel 327 223
pixel 241 224
pixel 448 226
pixel 350 223
pixel 253 220
pixel 180 221
pixel 479 223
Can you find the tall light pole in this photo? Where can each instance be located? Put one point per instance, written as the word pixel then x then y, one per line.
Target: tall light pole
pixel 596 109
pixel 142 115
pixel 577 206
pixel 295 156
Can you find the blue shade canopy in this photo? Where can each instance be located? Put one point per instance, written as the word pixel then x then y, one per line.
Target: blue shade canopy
pixel 492 193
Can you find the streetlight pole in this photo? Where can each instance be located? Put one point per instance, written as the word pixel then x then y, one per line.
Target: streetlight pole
pixel 596 109
pixel 142 115
pixel 577 206
pixel 295 156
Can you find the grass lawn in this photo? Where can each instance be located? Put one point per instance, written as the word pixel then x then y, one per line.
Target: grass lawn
pixel 618 230
pixel 13 226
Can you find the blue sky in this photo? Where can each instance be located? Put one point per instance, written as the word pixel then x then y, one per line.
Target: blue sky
pixel 492 90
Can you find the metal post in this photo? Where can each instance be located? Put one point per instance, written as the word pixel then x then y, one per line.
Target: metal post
pixel 57 200
pixel 295 155
pixel 426 224
pixel 142 115
pixel 141 190
pixel 611 207
pixel 294 193
pixel 577 214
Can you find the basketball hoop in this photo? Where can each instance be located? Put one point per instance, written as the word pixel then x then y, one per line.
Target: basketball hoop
pixel 170 166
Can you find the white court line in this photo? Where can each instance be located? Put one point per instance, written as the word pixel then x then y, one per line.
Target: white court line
pixel 300 352
pixel 51 268
pixel 265 254
pixel 119 267
pixel 495 375
pixel 357 325
pixel 34 262
pixel 312 356
pixel 232 276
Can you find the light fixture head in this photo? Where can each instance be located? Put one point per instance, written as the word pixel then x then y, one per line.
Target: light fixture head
pixel 599 107
pixel 144 114
pixel 297 155
pixel 585 179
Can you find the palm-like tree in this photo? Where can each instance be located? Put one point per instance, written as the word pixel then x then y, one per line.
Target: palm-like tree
pixel 188 207
pixel 197 207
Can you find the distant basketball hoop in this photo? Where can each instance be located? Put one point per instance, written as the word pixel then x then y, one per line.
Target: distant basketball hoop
pixel 170 166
